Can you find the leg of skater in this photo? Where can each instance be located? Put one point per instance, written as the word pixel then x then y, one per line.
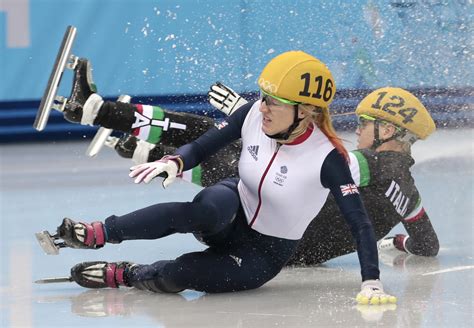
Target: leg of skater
pixel 149 123
pixel 210 211
pixel 211 271
pixel 239 259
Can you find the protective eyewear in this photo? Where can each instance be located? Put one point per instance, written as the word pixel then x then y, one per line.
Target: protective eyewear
pixel 274 100
pixel 364 119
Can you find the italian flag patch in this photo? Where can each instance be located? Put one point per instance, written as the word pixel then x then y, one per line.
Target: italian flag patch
pixel 147 123
pixel 194 175
pixel 417 212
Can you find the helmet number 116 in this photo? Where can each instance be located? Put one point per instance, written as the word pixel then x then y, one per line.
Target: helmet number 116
pixel 328 87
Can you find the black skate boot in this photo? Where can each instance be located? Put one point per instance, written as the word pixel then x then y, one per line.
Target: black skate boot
pixel 82 88
pixel 126 145
pixel 82 235
pixel 100 274
pixel 141 151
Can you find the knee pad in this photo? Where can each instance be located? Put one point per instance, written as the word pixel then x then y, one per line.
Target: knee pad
pixel 216 237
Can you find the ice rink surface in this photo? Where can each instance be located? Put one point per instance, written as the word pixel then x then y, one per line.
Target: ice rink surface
pixel 41 183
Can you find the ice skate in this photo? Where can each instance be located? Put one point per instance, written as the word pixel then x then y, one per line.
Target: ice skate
pixel 101 274
pixel 51 100
pixel 82 88
pixel 74 235
pixel 128 146
pixel 124 145
pixel 96 274
pixel 50 243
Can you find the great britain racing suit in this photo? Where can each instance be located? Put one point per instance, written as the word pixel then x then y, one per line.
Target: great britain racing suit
pixel 252 224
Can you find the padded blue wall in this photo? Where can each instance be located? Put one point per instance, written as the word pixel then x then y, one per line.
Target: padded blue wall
pixel 161 48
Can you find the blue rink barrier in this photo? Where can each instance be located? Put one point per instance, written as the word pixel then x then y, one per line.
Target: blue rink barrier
pixel 450 108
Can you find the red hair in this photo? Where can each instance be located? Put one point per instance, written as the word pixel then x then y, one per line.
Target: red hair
pixel 324 123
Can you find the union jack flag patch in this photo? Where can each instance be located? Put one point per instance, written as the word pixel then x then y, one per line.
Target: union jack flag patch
pixel 349 189
pixel 221 125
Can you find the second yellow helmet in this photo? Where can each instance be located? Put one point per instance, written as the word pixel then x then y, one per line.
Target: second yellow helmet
pixel 400 107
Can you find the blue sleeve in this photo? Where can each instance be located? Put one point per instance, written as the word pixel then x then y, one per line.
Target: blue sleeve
pixel 214 139
pixel 336 175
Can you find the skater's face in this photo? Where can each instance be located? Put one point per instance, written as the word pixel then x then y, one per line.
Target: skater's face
pixel 365 132
pixel 276 115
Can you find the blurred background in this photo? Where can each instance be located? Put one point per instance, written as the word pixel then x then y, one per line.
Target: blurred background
pixel 169 52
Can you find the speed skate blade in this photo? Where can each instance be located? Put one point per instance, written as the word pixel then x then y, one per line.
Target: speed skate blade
pixel 54 280
pixel 49 95
pixel 47 243
pixel 98 142
pixel 102 137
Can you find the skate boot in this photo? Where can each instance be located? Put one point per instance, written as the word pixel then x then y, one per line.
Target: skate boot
pixel 129 146
pixel 82 235
pixel 100 274
pixel 126 145
pixel 140 151
pixel 81 107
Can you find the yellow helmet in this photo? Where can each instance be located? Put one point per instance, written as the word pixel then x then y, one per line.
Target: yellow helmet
pixel 298 77
pixel 400 107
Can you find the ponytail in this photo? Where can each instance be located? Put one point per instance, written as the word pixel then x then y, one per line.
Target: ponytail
pixel 324 123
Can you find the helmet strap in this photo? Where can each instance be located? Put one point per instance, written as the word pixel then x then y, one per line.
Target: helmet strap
pixel 285 135
pixel 377 141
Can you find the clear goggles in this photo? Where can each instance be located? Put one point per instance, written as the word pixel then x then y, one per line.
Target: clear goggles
pixel 364 119
pixel 272 100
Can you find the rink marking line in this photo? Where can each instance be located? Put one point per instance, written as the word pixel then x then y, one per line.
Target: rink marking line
pixel 460 268
pixel 262 314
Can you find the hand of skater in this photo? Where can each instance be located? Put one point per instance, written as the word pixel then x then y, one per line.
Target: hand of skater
pixel 224 98
pixel 372 293
pixel 168 167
